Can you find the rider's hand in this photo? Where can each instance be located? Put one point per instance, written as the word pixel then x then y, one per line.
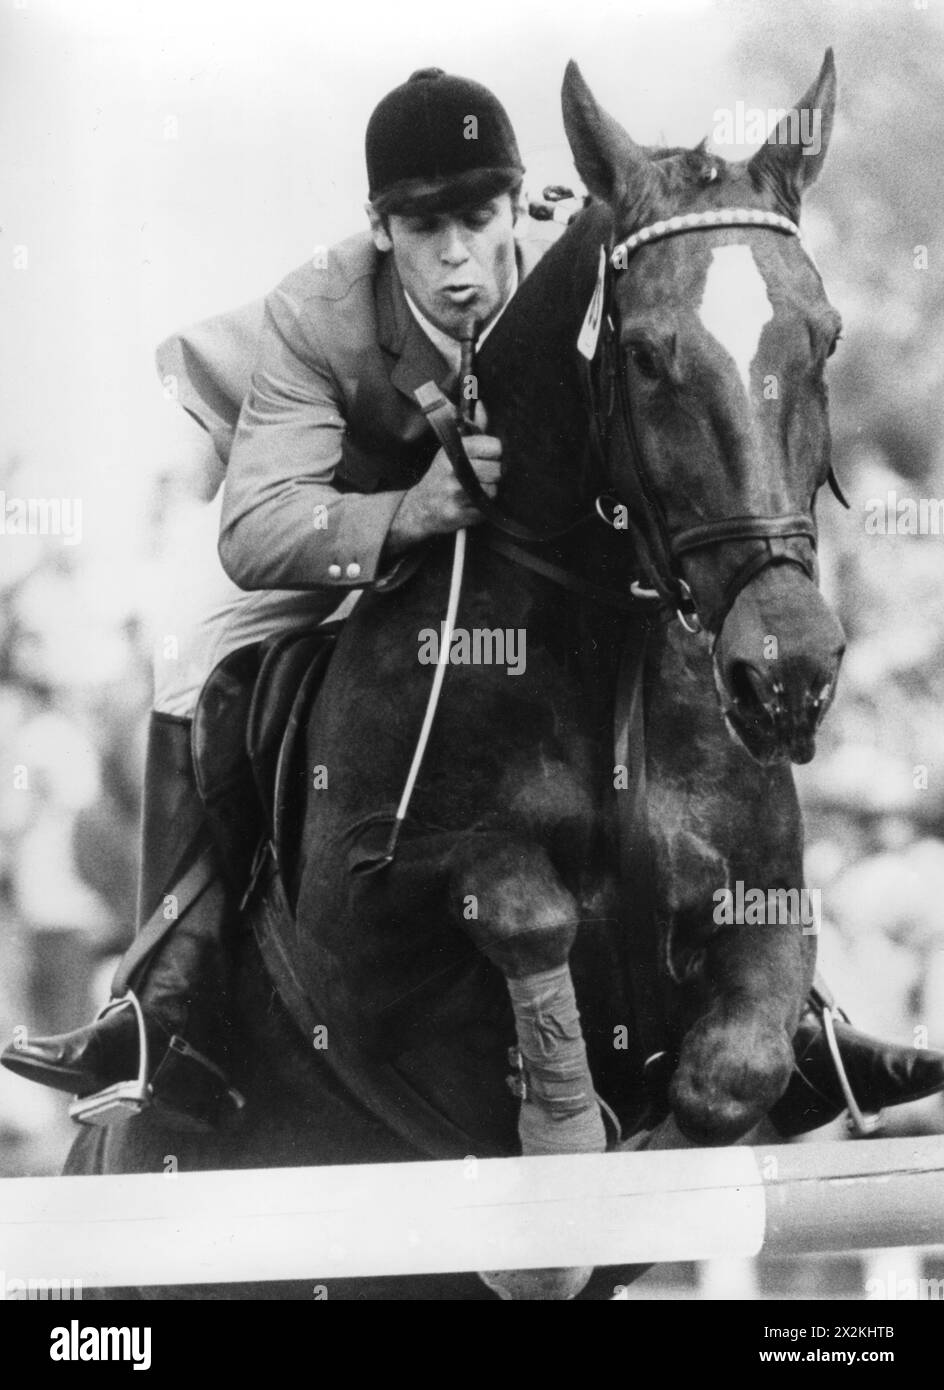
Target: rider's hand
pixel 437 503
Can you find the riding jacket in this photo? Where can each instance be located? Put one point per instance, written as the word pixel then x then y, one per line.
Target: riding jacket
pixel 308 400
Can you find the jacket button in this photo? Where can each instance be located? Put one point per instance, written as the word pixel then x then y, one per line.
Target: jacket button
pixel 353 570
pixel 334 571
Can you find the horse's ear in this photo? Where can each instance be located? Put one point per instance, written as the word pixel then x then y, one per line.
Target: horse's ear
pixel 613 166
pixel 796 148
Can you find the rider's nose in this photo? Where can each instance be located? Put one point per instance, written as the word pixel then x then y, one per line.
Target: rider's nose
pixel 454 250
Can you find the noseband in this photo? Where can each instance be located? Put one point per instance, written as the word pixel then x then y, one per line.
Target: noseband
pixel 660 551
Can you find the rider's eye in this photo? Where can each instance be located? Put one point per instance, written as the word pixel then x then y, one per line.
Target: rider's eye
pixel 421 226
pixel 644 361
pixel 478 219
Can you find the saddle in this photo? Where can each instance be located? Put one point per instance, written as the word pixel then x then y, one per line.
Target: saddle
pixel 248 723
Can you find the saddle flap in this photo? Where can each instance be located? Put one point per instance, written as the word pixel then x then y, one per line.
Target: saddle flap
pixel 285 660
pixel 253 703
pixel 222 769
pixel 219 723
pixel 291 774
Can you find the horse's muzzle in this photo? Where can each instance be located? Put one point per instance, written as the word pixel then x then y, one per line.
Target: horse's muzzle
pixel 776 664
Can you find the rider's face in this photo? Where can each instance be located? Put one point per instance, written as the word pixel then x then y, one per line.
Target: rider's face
pixel 455 265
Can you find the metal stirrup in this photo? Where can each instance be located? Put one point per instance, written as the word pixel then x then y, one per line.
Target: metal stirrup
pixel 128 1097
pixel 859 1123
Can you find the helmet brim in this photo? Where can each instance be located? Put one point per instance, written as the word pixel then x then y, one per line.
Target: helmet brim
pixel 424 197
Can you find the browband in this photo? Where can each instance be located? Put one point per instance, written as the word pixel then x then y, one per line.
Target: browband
pixel 698 221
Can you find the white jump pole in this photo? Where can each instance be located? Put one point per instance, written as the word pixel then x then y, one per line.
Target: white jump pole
pixel 437 1217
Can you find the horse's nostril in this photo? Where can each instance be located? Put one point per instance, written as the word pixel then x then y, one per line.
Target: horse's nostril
pixel 819 703
pixel 746 687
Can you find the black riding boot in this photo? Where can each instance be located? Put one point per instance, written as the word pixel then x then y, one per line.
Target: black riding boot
pixel 877 1075
pixel 181 985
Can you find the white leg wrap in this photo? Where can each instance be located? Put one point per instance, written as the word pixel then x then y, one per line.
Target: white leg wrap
pixel 559 1112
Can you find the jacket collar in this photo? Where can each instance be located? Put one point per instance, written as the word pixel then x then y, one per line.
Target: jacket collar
pixel 399 334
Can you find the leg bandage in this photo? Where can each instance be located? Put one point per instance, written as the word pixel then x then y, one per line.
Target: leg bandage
pixel 559 1110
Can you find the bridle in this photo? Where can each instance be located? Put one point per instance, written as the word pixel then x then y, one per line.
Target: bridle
pixel 658 551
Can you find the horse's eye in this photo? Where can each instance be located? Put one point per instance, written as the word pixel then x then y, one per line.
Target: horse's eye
pixel 834 344
pixel 644 361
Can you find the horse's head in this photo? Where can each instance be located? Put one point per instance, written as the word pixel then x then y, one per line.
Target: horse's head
pixel 721 336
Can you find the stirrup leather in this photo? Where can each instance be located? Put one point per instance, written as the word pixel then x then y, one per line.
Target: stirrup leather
pixel 124 1097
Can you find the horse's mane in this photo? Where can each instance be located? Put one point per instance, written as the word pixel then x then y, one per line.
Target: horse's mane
pixel 528 373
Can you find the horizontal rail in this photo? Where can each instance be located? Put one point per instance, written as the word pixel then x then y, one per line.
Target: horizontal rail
pixel 436 1217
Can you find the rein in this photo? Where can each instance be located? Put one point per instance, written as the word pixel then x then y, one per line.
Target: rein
pixel 503 532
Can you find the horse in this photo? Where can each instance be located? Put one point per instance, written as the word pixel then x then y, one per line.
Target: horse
pixel 546 862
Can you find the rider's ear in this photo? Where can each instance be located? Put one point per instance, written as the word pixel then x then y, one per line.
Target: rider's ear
pixel 796 148
pixel 379 228
pixel 612 165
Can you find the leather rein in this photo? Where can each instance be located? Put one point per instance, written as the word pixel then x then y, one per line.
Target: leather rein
pixel 604 377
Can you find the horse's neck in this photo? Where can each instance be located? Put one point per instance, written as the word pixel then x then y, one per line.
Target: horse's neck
pixel 531 383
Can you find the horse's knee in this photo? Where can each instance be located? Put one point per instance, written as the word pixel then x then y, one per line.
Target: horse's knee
pixel 511 902
pixel 735 1064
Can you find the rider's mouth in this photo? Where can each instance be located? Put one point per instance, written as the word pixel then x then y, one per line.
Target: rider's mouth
pixel 460 294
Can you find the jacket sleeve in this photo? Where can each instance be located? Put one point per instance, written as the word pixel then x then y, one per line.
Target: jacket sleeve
pixel 284 525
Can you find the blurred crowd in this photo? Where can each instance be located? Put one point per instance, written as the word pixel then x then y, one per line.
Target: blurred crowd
pixel 75 686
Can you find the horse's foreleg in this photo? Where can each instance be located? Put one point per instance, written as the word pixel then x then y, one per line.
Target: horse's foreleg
pixel 737 1057
pixel 721 822
pixel 743 983
pixel 525 921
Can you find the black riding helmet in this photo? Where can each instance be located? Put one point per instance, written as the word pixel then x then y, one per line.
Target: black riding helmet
pixel 439 142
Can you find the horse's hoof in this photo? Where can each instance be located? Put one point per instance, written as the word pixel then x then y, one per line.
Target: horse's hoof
pixel 537 1285
pixel 734 1066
